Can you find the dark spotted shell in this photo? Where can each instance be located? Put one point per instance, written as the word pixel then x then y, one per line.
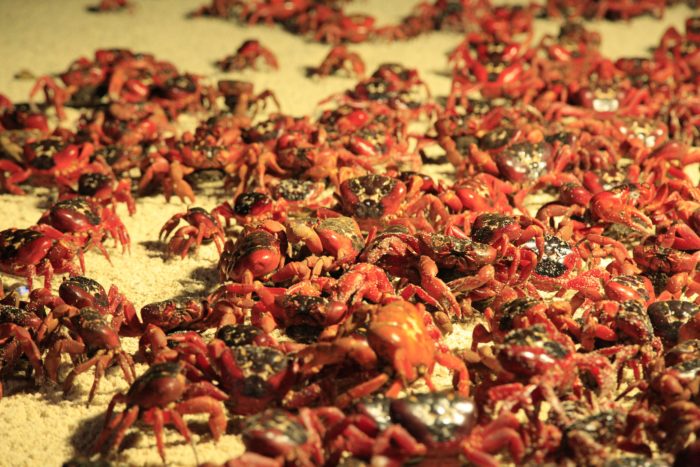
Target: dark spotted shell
pixel 13 315
pixel 42 152
pixel 458 253
pixel 378 408
pixel 552 263
pixel 633 321
pixel 293 189
pixel 79 206
pixel 485 225
pixel 246 203
pixel 90 183
pixel 238 335
pixel 685 351
pixel 273 430
pixel 496 138
pixel 91 288
pixel 435 417
pixel 369 192
pixel 535 336
pixel 523 161
pixel 512 309
pixel 13 240
pixel 668 316
pixel 258 365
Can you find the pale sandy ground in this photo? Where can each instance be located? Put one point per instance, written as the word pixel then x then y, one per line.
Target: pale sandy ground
pixel 41 427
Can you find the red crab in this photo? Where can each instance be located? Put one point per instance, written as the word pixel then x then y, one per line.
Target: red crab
pixel 574 42
pixel 597 285
pixel 519 155
pixel 103 189
pixel 392 90
pixel 417 22
pixel 370 432
pixel 677 381
pixel 16 339
pixel 434 291
pixel 397 332
pixel 247 56
pixel 240 97
pixel 49 162
pixel 171 174
pixel 252 207
pixel 333 243
pixel 594 435
pixel 340 28
pixel 89 333
pixel 162 395
pixel 127 125
pixel 618 322
pixel 340 59
pixel 299 305
pixel 171 164
pixel 41 250
pixel 88 75
pixel 257 254
pixel 82 292
pixel 620 205
pixel 372 196
pixel 133 77
pixel 110 5
pixel 547 361
pixel 508 234
pixel 183 93
pixel 457 252
pixel 255 166
pixel 669 317
pixel 270 11
pixel 433 426
pixel 234 335
pixel 421 416
pixel 278 434
pixel 627 10
pixel 158 347
pixel 182 314
pixel 254 377
pixel 304 303
pixel 300 194
pixel 611 9
pixel 22 117
pixel 652 255
pixel 86 222
pixel 557 265
pixel 417 256
pixel 481 192
pixel 362 281
pixel 521 313
pixel 202 228
pixel 119 158
pixel 495 68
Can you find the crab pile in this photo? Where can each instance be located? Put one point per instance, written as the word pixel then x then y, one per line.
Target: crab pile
pixel 344 269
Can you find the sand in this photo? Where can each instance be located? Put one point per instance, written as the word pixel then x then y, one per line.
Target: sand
pixel 39 425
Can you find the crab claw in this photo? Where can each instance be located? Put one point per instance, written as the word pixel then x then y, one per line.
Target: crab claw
pixel 682 237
